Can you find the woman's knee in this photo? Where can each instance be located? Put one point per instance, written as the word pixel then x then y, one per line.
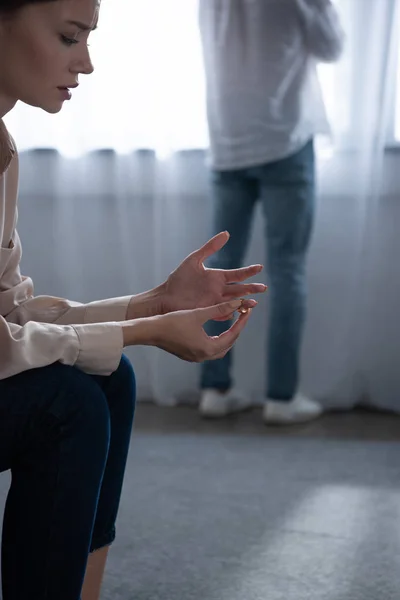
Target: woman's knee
pixel 121 391
pixel 81 408
pixel 126 374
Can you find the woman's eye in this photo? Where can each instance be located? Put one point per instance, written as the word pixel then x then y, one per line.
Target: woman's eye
pixel 68 41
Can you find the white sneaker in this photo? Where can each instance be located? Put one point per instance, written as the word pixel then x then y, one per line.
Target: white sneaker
pixel 215 404
pixel 298 410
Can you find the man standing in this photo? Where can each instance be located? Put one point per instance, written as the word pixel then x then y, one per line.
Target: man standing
pixel 264 108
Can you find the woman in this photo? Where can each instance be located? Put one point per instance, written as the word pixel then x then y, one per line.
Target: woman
pixel 67 394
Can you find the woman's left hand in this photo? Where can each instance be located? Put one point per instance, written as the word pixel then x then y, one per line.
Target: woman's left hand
pixel 192 285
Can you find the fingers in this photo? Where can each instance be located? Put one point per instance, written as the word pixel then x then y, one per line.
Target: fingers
pixel 235 275
pixel 224 342
pixel 219 312
pixel 245 305
pixel 235 290
pixel 211 247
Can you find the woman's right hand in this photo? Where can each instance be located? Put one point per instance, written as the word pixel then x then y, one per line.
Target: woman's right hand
pixel 181 333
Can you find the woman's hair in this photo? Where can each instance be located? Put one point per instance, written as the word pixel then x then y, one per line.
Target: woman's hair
pixel 10 6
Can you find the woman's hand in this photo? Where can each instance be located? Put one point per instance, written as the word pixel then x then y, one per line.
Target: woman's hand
pixel 192 285
pixel 181 332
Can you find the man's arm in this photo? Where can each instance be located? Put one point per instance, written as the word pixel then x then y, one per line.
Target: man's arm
pixel 324 36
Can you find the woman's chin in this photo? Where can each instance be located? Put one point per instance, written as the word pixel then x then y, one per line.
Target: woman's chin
pixel 49 105
pixel 52 109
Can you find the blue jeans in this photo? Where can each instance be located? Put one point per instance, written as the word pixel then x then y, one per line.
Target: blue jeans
pixel 65 436
pixel 286 189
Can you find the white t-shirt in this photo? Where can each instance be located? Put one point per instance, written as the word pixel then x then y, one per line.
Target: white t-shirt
pixel 264 100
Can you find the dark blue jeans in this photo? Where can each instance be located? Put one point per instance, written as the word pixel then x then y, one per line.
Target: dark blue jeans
pixel 286 189
pixel 65 436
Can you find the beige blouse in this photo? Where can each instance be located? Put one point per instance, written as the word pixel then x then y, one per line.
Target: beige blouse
pixel 36 331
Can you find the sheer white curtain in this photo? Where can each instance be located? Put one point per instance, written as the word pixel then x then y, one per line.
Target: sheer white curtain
pixel 121 222
pixel 354 317
pixel 147 90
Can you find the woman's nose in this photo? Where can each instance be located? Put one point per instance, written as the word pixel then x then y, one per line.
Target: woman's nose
pixel 84 65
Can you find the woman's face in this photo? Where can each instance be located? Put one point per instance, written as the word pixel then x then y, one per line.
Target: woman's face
pixel 43 49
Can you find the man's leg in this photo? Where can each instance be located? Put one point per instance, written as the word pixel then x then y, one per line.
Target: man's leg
pixel 288 196
pixel 234 196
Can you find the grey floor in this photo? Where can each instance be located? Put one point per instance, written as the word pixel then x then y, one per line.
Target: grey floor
pixel 233 510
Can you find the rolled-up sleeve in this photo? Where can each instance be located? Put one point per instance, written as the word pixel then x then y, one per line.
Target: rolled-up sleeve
pixel 95 349
pixel 323 33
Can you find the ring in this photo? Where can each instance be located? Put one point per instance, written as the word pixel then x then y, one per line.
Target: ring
pixel 242 309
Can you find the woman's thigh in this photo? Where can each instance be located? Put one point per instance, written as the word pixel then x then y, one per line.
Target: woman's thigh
pixel 41 405
pixel 55 438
